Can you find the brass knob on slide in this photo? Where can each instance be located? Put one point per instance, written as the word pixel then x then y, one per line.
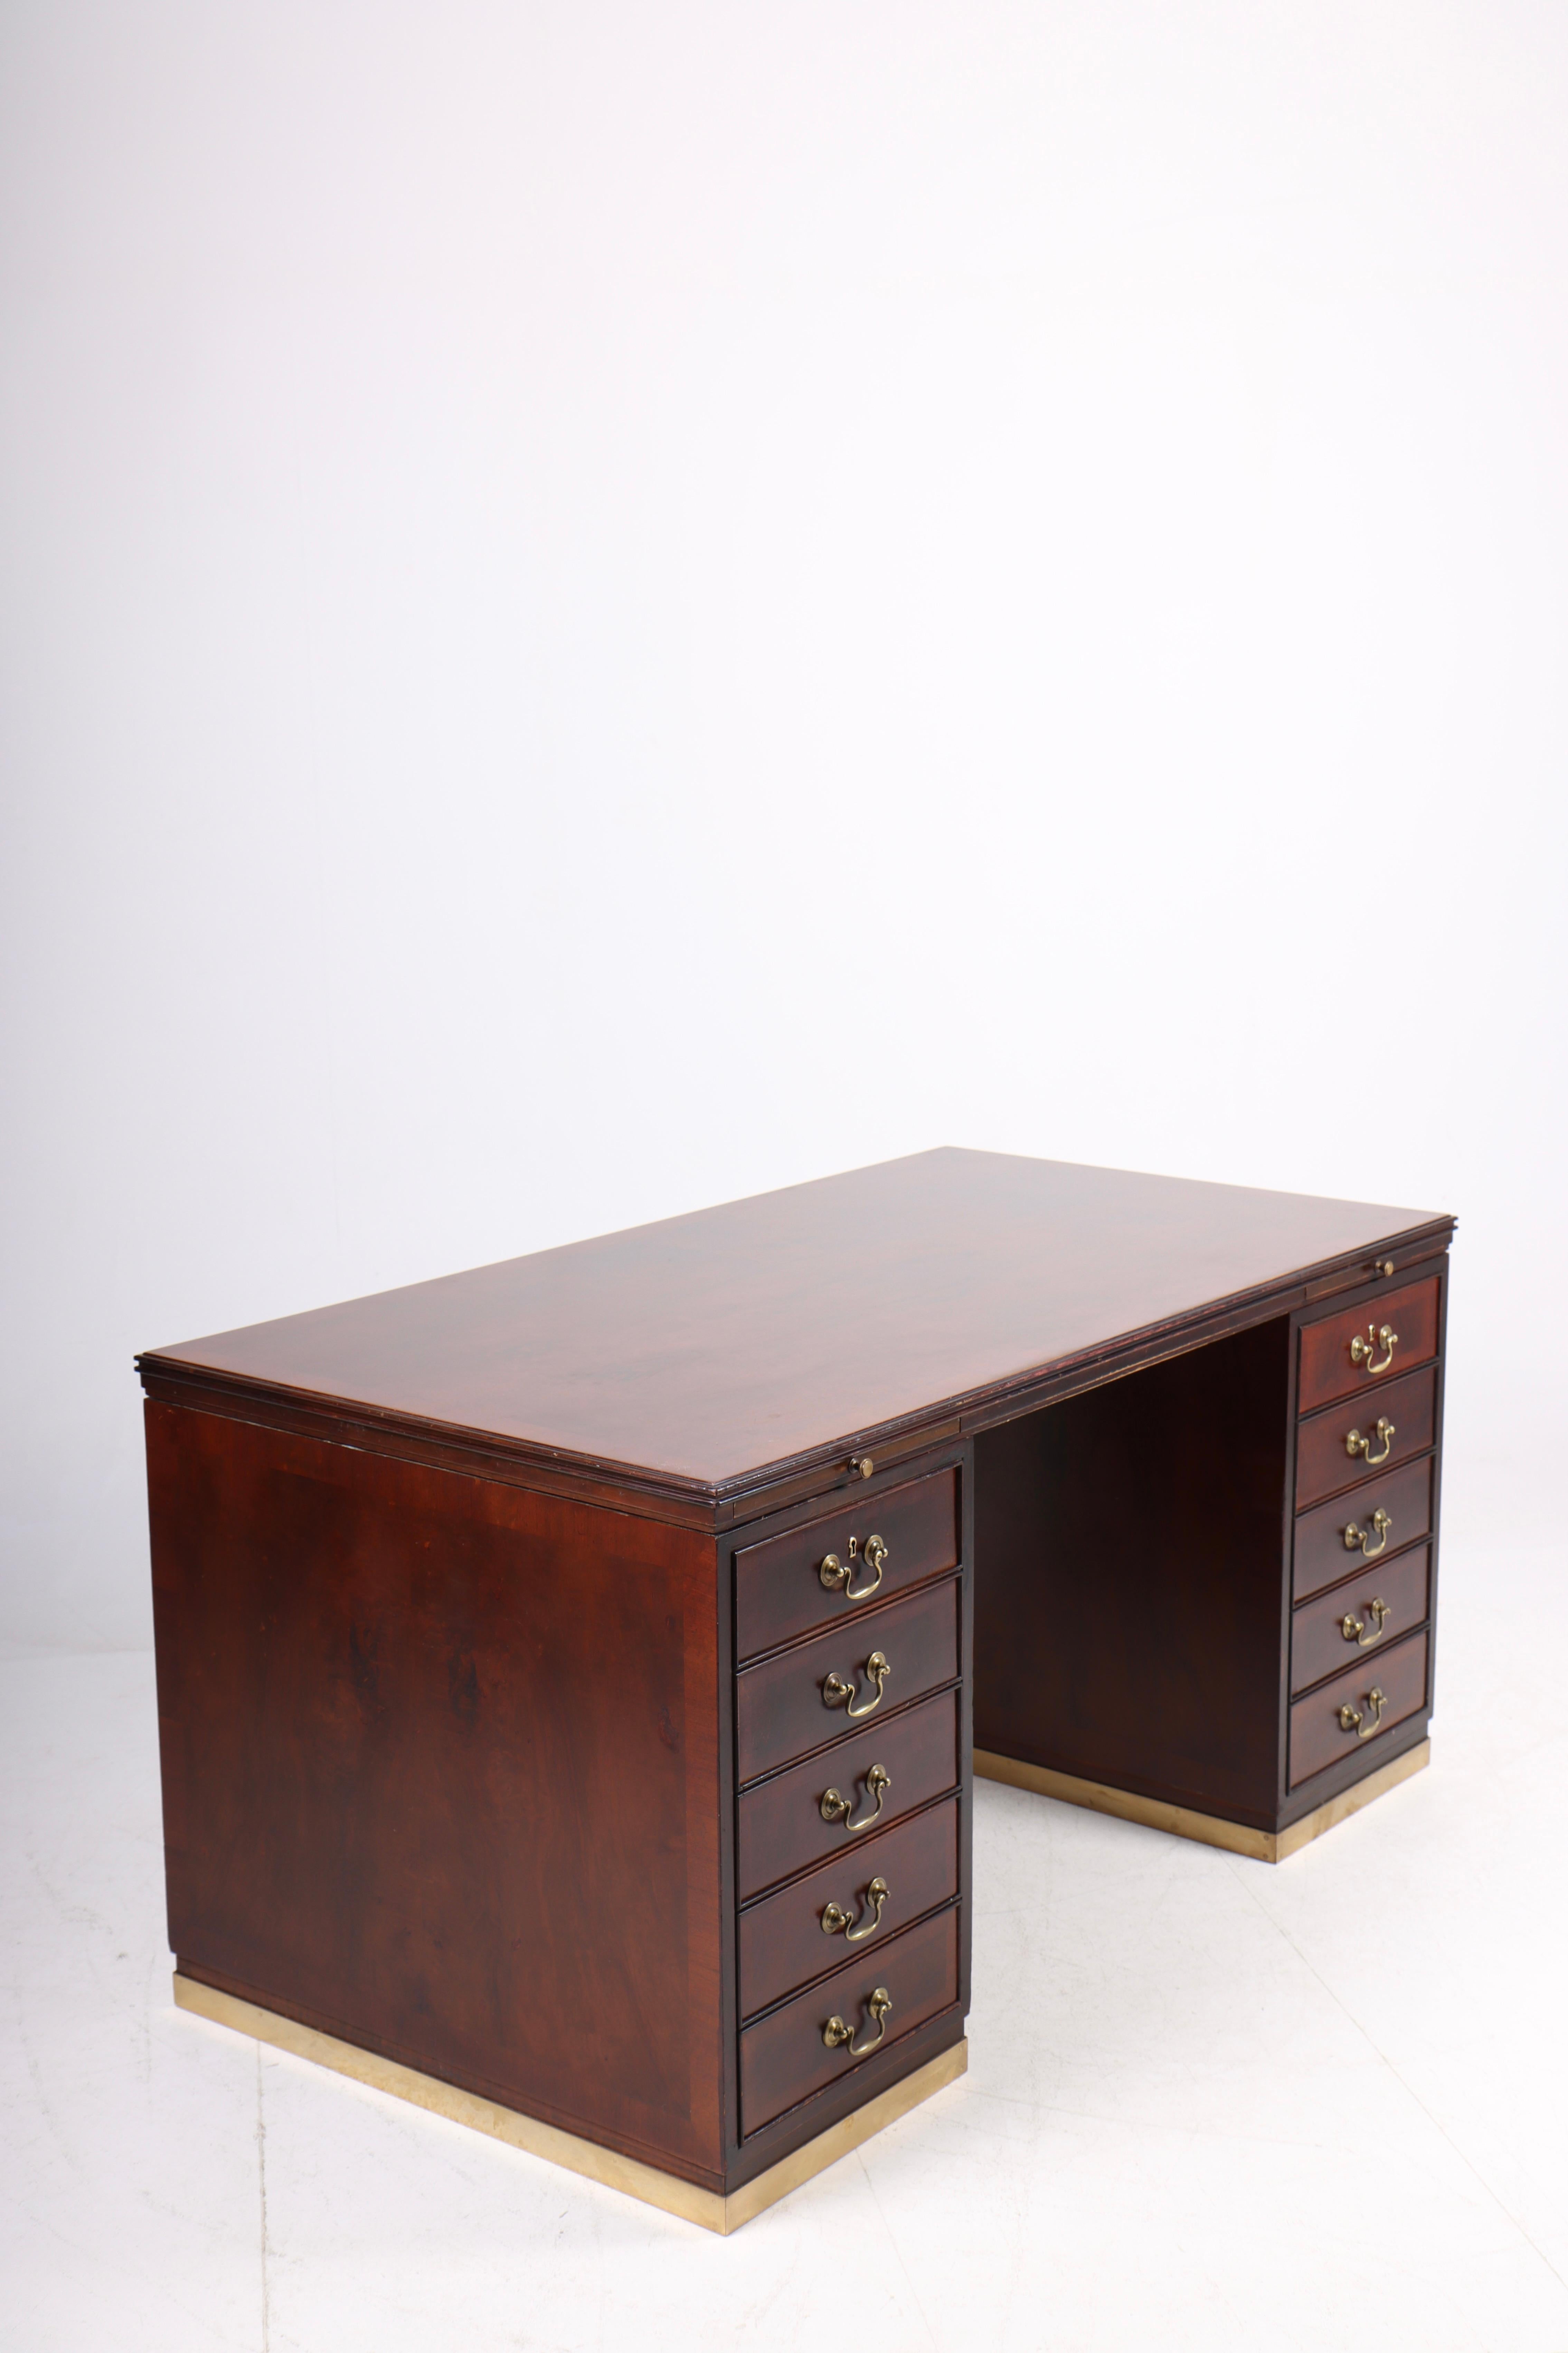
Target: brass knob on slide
pixel 839 2037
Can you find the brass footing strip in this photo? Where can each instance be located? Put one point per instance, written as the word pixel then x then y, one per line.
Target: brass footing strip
pixel 1210 1829
pixel 707 2207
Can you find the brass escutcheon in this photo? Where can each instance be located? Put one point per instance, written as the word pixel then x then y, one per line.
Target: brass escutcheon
pixel 835 1574
pixel 839 2037
pixel 1363 1351
pixel 836 1921
pixel 836 1691
pixel 1356 1444
pixel 1351 1719
pixel 1353 1629
pixel 836 1808
pixel 1360 1539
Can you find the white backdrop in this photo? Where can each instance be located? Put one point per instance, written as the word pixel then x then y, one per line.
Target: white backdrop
pixel 608 606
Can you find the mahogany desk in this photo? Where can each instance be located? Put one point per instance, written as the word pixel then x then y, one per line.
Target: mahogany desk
pixel 566 1669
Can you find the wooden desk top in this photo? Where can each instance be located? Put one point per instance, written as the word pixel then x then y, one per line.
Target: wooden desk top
pixel 712 1354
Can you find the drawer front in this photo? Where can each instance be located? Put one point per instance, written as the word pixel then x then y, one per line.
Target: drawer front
pixel 1345 1445
pixel 882 1773
pixel 877 1660
pixel 1318 1736
pixel 869 1895
pixel 779 1589
pixel 1357 1619
pixel 1346 1355
pixel 784 2058
pixel 1322 1554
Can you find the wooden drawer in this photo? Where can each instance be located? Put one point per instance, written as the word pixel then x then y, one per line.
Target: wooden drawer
pixel 779 1591
pixel 784 1940
pixel 799 1699
pixel 1330 1368
pixel 1323 1556
pixel 784 2057
pixel 1345 1445
pixel 1318 1738
pixel 780 1824
pixel 1320 1641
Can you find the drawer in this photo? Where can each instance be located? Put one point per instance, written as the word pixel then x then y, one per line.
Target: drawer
pixel 800 1698
pixel 785 1939
pixel 1367 1613
pixel 1345 1355
pixel 882 1772
pixel 1324 1558
pixel 1346 1444
pixel 912 1533
pixel 1318 1736
pixel 784 2057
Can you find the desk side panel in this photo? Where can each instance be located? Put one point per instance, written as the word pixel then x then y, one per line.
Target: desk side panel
pixel 1128 1579
pixel 441 1774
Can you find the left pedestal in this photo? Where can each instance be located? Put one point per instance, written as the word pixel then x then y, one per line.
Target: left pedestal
pixel 448 1804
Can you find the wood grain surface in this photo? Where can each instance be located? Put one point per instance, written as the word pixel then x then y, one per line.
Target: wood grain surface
pixel 711 1347
pixel 441 1774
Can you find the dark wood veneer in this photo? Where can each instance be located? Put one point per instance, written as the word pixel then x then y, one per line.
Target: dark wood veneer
pixel 1323 1467
pixel 477 1604
pixel 781 1709
pixel 691 1362
pixel 1329 1370
pixel 780 1826
pixel 1323 1557
pixel 1127 1579
pixel 779 1592
pixel 1317 1736
pixel 781 1939
pixel 402 1792
pixel 1318 1645
pixel 784 2057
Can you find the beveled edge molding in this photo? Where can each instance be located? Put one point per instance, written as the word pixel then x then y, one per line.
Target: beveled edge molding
pixel 707 2208
pixel 1208 1829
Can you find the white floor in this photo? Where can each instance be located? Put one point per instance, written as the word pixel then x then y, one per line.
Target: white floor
pixel 1211 2104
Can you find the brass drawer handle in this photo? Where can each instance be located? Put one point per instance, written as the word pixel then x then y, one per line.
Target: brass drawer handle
pixel 1363 1351
pixel 839 2037
pixel 1360 1539
pixel 835 1574
pixel 836 1691
pixel 1356 1444
pixel 835 1809
pixel 1352 1720
pixel 1354 1628
pixel 836 1920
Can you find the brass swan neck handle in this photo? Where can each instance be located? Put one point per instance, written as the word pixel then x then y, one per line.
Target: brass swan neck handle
pixel 1360 1539
pixel 836 1691
pixel 836 1921
pixel 833 1808
pixel 839 2037
pixel 1378 1336
pixel 835 1574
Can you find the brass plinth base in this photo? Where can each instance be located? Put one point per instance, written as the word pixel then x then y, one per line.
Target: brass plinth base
pixel 1263 1846
pixel 604 2165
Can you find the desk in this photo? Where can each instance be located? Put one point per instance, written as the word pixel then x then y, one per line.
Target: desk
pixel 569 1672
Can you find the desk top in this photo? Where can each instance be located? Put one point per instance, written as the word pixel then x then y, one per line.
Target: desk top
pixel 709 1354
